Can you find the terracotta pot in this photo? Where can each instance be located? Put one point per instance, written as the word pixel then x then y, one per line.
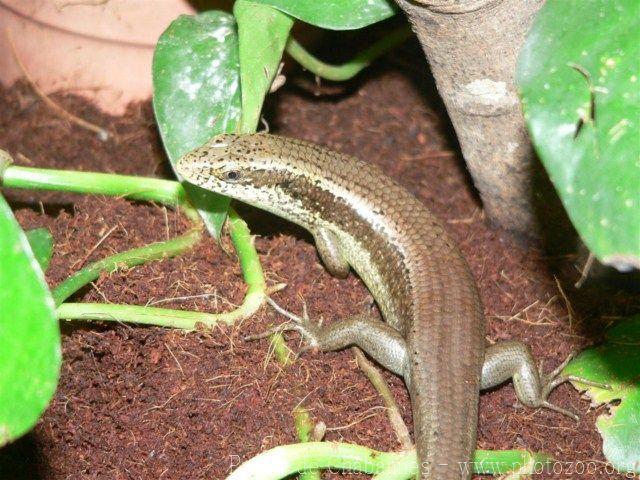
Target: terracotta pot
pixel 98 49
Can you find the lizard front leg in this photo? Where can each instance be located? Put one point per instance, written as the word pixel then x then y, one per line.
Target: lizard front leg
pixel 328 247
pixel 379 340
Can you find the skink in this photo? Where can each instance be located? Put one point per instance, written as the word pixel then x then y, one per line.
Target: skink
pixel 361 219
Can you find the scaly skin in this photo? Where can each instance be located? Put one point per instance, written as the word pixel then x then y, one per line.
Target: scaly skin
pixel 401 251
pixel 361 218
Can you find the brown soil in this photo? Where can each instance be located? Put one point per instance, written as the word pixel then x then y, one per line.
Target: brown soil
pixel 149 403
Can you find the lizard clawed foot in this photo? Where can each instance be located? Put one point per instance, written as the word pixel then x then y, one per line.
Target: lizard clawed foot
pixel 283 327
pixel 551 380
pixel 303 325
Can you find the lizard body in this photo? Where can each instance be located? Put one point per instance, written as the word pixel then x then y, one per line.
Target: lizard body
pixel 360 218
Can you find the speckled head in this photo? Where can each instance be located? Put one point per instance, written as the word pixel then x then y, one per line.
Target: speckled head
pixel 224 164
pixel 210 166
pixel 241 167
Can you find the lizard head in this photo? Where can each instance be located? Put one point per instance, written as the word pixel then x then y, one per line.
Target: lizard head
pixel 242 167
pixel 213 166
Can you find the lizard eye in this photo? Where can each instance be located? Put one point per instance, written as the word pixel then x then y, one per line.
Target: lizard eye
pixel 232 175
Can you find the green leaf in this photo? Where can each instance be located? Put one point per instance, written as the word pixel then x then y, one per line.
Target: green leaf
pixel 41 243
pixel 336 14
pixel 579 77
pixel 29 333
pixel 617 363
pixel 263 33
pixel 196 94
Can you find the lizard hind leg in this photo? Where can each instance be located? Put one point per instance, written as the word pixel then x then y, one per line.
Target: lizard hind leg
pixel 551 380
pixel 514 360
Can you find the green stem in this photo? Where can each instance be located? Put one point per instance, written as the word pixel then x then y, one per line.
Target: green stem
pixel 280 462
pixel 166 192
pixel 500 462
pixel 303 423
pixel 404 469
pixel 249 262
pixel 281 351
pixel 147 189
pixel 130 258
pixel 160 317
pixel 304 428
pixel 354 66
pixel 250 265
pixel 285 460
pixel 485 462
pixel 247 254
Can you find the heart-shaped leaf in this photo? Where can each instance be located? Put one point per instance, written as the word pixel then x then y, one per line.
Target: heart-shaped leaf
pixel 336 14
pixel 616 363
pixel 196 94
pixel 29 333
pixel 579 77
pixel 263 33
pixel 41 243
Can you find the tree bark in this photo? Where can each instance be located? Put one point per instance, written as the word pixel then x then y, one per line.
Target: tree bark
pixel 472 48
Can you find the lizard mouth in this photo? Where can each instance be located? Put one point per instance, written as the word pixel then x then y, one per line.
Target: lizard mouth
pixel 191 169
pixel 184 167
